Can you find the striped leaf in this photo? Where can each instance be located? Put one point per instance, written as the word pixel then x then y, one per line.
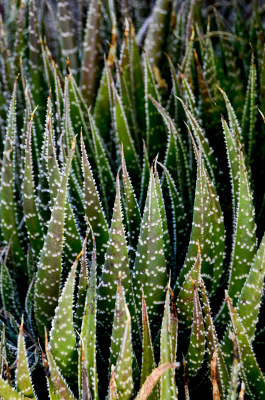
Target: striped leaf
pixel 144 177
pixel 103 103
pixel 116 262
pixel 56 382
pixel 167 382
pixel 131 210
pixel 123 372
pixel 106 179
pixel 161 205
pixel 82 287
pixel 8 294
pixel 157 30
pixel 119 323
pixel 62 336
pixel 123 135
pixel 156 132
pixel 73 244
pixel 69 48
pixel 249 302
pixel 208 228
pixel 199 134
pixel 49 267
pixel 250 113
pixel 150 264
pixel 93 209
pixel 29 205
pixel 7 206
pixel 90 61
pixel 9 393
pixel 137 83
pixel 88 330
pixel 251 372
pixel 195 355
pixel 184 302
pixel 179 225
pixel 148 358
pixel 23 378
pixel 244 241
pixel 213 346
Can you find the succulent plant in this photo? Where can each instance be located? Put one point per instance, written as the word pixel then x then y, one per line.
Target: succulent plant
pixel 131 200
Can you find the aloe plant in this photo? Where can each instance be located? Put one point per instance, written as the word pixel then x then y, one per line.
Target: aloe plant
pixel 132 207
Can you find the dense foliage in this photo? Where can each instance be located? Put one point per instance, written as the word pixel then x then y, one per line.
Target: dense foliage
pixel 132 201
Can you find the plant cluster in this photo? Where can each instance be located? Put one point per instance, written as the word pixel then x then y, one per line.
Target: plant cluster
pixel 132 200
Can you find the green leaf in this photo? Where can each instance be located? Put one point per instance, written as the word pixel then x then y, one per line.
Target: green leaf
pixel 229 57
pixel 157 30
pixel 7 206
pixel 116 261
pixel 106 179
pixel 90 61
pixel 179 225
pixel 233 122
pixel 35 62
pixel 78 115
pixel 173 326
pixel 23 378
pixel 167 382
pixel 49 268
pixel 7 67
pixel 213 345
pixel 250 112
pixel 206 105
pixel 88 330
pixel 124 74
pixel 176 158
pixel 156 133
pixel 248 304
pixel 249 301
pixel 233 162
pixel 131 210
pixel 94 210
pixel 8 294
pixel 144 177
pixel 119 323
pixel 123 135
pixel 199 134
pixel 123 372
pixel 184 302
pixel 137 83
pixel 58 385
pixel 73 244
pixel 232 393
pixel 208 228
pixel 209 66
pixel 68 130
pixel 103 103
pixel 62 336
pixel 251 372
pixel 150 263
pixel 244 242
pixel 148 358
pixel 82 287
pixel 161 205
pixel 9 393
pixel 29 205
pixel 195 355
pixel 69 48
